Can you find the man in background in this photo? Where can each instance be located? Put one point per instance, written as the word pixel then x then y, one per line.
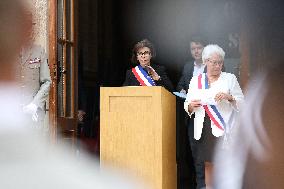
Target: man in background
pixel 193 67
pixel 186 157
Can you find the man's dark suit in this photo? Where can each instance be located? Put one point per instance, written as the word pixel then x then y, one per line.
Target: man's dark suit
pixel 186 76
pixel 186 121
pixel 130 79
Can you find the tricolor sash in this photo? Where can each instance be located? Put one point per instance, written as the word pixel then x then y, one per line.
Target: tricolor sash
pixel 142 77
pixel 211 110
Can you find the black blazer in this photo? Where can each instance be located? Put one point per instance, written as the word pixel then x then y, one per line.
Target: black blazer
pixel 186 76
pixel 130 79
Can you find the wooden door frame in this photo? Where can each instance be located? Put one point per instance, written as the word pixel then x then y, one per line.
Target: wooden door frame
pixel 52 36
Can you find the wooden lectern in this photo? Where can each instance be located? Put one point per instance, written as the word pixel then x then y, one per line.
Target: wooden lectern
pixel 138 133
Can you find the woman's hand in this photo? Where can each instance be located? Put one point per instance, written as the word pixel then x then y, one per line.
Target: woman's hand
pixel 194 104
pixel 183 91
pixel 223 96
pixel 153 73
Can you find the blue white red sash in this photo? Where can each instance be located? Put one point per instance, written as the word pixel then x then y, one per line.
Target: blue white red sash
pixel 142 76
pixel 211 110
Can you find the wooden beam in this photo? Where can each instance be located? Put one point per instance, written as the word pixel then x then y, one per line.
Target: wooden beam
pixel 52 36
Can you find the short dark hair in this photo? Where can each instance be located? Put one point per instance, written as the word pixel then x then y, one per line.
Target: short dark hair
pixel 198 39
pixel 139 45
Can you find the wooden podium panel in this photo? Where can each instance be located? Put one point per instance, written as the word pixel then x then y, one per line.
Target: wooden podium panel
pixel 138 133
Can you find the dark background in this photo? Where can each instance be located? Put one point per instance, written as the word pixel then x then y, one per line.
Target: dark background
pixel 108 30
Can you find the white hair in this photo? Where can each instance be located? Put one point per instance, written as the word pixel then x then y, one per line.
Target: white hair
pixel 211 49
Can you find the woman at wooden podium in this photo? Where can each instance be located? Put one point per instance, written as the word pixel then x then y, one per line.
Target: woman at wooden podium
pixel 146 73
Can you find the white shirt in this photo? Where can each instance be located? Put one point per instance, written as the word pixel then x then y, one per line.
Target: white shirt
pixel 226 83
pixel 198 69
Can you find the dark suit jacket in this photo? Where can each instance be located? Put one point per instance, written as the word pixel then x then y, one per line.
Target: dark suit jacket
pixel 130 79
pixel 186 76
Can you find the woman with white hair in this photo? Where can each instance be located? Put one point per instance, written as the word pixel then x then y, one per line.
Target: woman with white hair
pixel 212 99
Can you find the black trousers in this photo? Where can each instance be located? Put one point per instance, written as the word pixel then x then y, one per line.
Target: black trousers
pixel 198 164
pixel 185 167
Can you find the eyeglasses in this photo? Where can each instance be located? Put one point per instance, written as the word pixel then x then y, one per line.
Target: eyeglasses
pixel 214 62
pixel 145 53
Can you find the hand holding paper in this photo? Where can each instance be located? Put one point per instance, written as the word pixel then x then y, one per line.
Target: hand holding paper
pixel 206 96
pixel 223 96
